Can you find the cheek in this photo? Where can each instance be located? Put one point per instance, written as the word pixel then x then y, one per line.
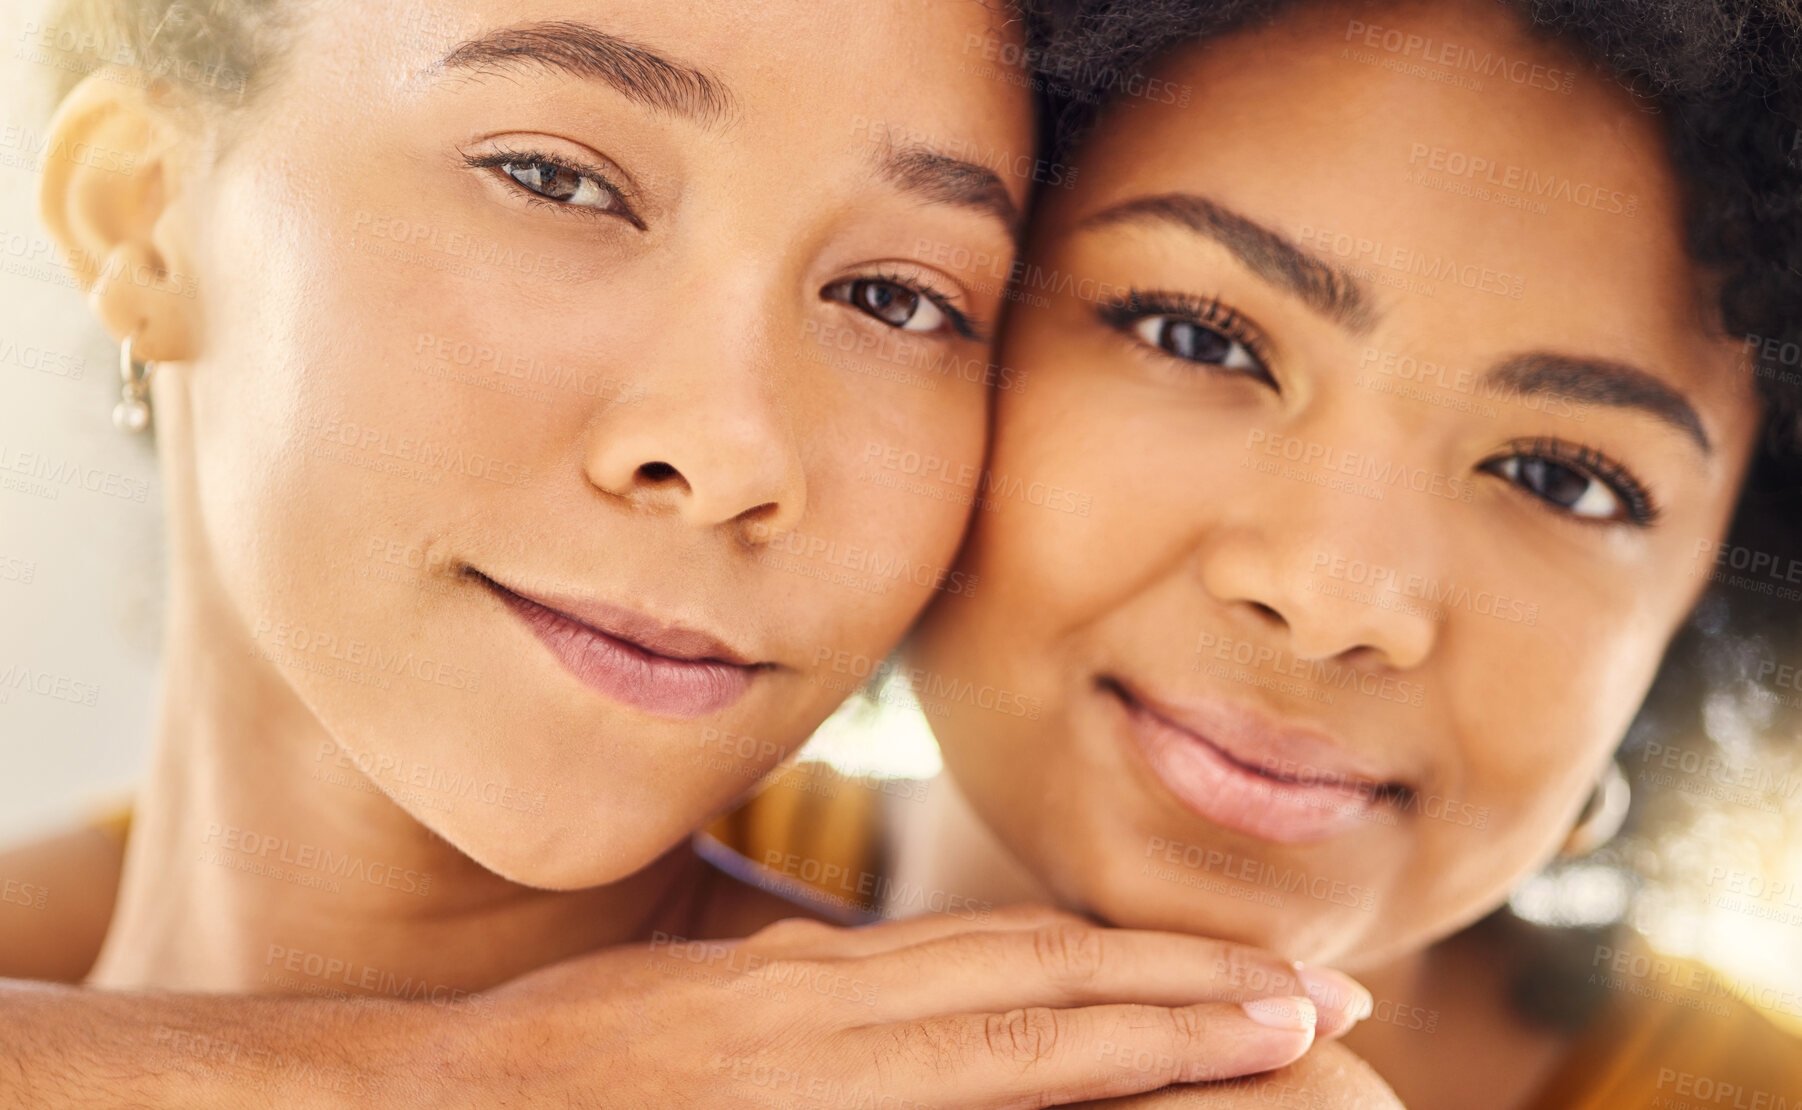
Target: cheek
pixel 1537 711
pixel 312 442
pixel 892 473
pixel 916 462
pixel 911 455
pixel 1059 491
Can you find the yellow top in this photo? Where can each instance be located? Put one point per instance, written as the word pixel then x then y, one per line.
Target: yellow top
pixel 1691 1044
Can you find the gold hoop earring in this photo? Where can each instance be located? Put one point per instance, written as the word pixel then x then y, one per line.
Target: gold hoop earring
pixel 1602 815
pixel 132 413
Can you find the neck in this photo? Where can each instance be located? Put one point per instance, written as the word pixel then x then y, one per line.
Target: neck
pixel 943 847
pixel 260 862
pixel 1445 1034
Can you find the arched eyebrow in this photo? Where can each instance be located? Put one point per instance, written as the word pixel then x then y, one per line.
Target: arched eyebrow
pixel 942 179
pixel 1271 255
pixel 1593 381
pixel 588 53
pixel 667 85
pixel 1341 298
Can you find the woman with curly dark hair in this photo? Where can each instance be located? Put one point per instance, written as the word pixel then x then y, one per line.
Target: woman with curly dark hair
pixel 1416 370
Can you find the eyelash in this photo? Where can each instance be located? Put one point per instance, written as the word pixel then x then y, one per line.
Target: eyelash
pixel 1642 508
pixel 961 322
pixel 1123 313
pixel 499 159
pixel 965 325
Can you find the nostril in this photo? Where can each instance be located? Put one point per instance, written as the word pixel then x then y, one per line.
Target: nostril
pixel 1266 611
pixel 761 519
pixel 657 472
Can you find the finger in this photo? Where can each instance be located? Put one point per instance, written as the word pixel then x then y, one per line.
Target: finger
pixel 1326 1076
pixel 1039 1056
pixel 795 938
pixel 1064 964
pixel 887 936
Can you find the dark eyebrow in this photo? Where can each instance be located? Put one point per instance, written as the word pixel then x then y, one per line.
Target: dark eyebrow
pixel 1272 256
pixel 1600 382
pixel 946 180
pixel 634 71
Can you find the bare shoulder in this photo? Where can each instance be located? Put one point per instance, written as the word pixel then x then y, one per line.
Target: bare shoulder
pixel 1329 1077
pixel 56 901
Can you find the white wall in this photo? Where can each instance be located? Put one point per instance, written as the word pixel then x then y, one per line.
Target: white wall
pixel 88 614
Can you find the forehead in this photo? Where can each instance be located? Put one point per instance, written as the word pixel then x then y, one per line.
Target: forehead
pixel 833 68
pixel 1424 156
pixel 826 35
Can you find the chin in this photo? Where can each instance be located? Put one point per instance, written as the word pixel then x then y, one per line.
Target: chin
pixel 605 844
pixel 566 871
pixel 1293 910
pixel 1294 933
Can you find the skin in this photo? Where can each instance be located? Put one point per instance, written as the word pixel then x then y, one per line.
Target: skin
pixel 1329 1077
pixel 257 262
pixel 1184 539
pixel 731 437
pixel 1593 593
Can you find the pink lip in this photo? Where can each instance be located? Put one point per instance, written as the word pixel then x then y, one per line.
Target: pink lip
pixel 1240 770
pixel 672 672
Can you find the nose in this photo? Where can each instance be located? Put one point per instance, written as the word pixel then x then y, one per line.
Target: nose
pixel 713 439
pixel 707 466
pixel 1284 563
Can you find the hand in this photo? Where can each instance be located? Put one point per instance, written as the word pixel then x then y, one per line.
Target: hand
pixel 1033 1008
pixel 1330 1077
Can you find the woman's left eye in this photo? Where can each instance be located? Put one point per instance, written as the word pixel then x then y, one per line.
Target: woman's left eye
pixel 1578 481
pixel 1566 487
pixel 1196 342
pixel 891 302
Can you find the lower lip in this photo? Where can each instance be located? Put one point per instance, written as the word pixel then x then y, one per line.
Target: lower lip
pixel 1210 784
pixel 654 683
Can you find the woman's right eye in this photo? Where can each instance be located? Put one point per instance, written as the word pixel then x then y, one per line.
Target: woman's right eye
pixel 1200 332
pixel 547 180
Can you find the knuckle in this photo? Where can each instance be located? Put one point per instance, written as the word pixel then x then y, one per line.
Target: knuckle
pixel 791 977
pixel 1189 1027
pixel 792 931
pixel 1251 969
pixel 936 1046
pixel 1069 954
pixel 1024 1036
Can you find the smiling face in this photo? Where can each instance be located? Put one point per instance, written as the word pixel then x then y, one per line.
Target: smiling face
pixel 1388 477
pixel 537 361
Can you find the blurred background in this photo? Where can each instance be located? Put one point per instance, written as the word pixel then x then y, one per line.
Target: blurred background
pixel 80 571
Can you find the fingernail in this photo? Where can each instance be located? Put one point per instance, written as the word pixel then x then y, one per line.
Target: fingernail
pixel 1294 1014
pixel 1336 991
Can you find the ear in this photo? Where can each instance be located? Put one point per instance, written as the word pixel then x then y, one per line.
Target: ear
pixel 112 165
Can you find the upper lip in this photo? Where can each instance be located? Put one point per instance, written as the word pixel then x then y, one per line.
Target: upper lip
pixel 1276 750
pixel 672 641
